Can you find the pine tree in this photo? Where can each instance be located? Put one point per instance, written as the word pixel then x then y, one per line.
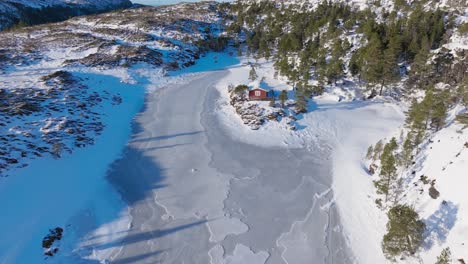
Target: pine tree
pixel 407 152
pixel 373 61
pixel 334 70
pixel 253 74
pixel 415 120
pixel 263 48
pixel 404 232
pixel 413 47
pixel 370 152
pixel 427 106
pixel 388 171
pixel 321 65
pixel 462 92
pixel 439 110
pixel 391 72
pixel 419 67
pixel 301 103
pixel 355 63
pixel 443 63
pixel 283 97
pixel 378 150
pixel 335 65
pixel 445 257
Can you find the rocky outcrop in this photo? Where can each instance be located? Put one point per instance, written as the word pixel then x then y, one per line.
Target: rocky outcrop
pixel 50 121
pixel 255 115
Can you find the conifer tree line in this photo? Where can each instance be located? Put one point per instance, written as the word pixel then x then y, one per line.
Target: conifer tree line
pixel 312 44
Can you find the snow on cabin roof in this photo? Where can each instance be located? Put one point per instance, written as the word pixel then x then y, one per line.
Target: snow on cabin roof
pixel 262 85
pixel 258 88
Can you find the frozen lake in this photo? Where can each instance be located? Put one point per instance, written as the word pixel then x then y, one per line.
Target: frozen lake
pixel 198 196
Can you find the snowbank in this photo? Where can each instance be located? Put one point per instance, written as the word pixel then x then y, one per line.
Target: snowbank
pixel 357 129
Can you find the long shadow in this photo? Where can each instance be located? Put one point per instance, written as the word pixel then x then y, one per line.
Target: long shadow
pixel 166 147
pixel 137 258
pixel 136 175
pixel 158 138
pixel 313 106
pixel 211 61
pixel 345 105
pixel 145 236
pixel 439 224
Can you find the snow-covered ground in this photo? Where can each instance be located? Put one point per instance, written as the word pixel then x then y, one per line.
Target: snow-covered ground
pixel 349 128
pixel 212 196
pixel 445 160
pixel 72 192
pixel 53 193
pixel 195 183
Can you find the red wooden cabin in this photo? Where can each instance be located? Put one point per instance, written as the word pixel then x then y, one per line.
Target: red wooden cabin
pixel 258 94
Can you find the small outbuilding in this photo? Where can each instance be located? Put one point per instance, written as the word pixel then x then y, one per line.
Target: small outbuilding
pixel 259 94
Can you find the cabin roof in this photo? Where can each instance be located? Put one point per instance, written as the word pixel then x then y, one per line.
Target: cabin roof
pixel 257 88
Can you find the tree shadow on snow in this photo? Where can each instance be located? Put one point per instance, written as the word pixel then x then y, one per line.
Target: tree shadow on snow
pixel 344 105
pixel 158 138
pixel 313 106
pixel 145 236
pixel 137 258
pixel 439 224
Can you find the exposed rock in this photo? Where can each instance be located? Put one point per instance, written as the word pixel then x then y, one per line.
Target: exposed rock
pixel 50 239
pixel 433 192
pixel 372 168
pixel 57 124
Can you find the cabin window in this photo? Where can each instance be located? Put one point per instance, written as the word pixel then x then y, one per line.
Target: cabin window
pixel 257 93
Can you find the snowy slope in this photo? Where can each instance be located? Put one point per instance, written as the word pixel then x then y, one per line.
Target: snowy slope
pixel 351 127
pixel 49 100
pixel 101 4
pixel 31 12
pixel 445 160
pixel 68 94
pixel 441 163
pixel 348 127
pixel 375 5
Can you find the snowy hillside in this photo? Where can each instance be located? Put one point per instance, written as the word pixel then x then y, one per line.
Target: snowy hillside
pixel 444 161
pixel 103 4
pixel 433 183
pixel 53 110
pixel 138 135
pixel 41 11
pixel 68 94
pixel 389 5
pixel 381 50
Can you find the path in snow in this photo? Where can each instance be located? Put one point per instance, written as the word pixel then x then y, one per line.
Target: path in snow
pixel 197 196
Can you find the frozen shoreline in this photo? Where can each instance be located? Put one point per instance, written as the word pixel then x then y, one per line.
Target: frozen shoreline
pixel 348 128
